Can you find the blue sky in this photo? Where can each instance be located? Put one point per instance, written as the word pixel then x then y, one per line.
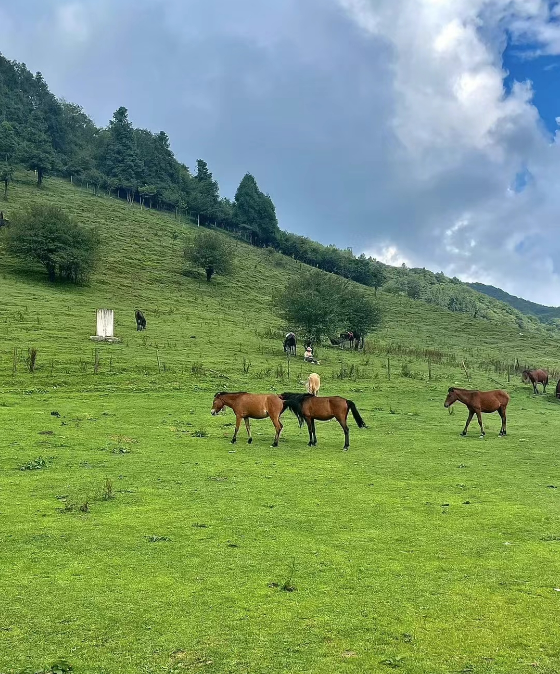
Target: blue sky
pixel 389 127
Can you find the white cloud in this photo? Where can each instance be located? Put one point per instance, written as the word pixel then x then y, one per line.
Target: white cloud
pixel 72 21
pixel 452 116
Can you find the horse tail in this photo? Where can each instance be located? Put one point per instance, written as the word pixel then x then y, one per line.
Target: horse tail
pixel 293 402
pixel 357 418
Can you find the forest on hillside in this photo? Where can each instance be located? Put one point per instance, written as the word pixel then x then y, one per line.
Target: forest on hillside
pixel 50 136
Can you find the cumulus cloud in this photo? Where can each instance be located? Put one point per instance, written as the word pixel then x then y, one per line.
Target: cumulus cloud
pixel 380 125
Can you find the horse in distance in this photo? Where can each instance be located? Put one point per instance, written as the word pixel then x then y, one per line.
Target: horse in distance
pixel 290 344
pixel 535 377
pixel 250 406
pixel 140 320
pixel 309 408
pixel 478 402
pixel 313 384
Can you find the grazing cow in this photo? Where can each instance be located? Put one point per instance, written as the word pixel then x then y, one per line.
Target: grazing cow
pixel 558 389
pixel 535 377
pixel 290 344
pixel 477 402
pixel 140 320
pixel 313 384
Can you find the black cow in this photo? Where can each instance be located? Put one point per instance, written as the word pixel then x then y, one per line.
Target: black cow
pixel 140 320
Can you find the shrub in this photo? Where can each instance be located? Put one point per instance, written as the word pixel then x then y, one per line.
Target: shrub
pixel 46 234
pixel 210 251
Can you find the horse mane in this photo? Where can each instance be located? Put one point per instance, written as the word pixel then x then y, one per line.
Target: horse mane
pixel 230 393
pixel 294 402
pixel 450 390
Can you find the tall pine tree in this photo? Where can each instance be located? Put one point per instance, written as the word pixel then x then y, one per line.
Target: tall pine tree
pixel 122 163
pixel 255 212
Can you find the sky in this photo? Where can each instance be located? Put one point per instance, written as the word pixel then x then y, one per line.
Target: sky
pixel 417 131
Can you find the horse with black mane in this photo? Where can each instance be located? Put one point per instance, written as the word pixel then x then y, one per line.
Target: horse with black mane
pixel 309 408
pixel 535 377
pixel 290 344
pixel 251 406
pixel 477 402
pixel 140 320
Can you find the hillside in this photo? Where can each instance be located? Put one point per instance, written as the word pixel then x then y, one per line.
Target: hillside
pixel 138 539
pixel 543 313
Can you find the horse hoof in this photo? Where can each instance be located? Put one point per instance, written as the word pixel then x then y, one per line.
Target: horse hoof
pixel 345 449
pixel 463 433
pixel 234 441
pixel 249 441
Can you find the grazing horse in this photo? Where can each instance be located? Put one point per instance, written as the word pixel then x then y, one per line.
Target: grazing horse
pixel 140 320
pixel 535 377
pixel 307 408
pixel 250 406
pixel 557 393
pixel 3 222
pixel 313 384
pixel 290 344
pixel 477 402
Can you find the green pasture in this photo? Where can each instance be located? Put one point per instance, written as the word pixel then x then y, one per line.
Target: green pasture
pixel 135 538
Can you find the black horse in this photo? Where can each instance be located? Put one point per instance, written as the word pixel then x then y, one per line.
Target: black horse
pixel 140 320
pixel 3 221
pixel 290 344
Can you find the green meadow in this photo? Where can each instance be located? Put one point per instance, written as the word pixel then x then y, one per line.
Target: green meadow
pixel 134 538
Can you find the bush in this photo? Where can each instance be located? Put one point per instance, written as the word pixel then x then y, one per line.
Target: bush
pixel 46 234
pixel 211 252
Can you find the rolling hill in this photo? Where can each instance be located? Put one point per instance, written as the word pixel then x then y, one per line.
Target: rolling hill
pixel 543 313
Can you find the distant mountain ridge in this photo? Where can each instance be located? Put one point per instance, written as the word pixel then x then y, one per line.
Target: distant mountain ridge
pixel 543 313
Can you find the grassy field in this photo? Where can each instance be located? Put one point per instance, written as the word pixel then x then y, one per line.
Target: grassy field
pixel 136 538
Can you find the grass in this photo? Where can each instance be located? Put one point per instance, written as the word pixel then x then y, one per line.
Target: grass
pixel 148 543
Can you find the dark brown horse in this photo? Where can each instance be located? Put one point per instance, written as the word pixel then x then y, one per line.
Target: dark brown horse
pixel 251 406
pixel 558 389
pixel 309 408
pixel 477 402
pixel 535 377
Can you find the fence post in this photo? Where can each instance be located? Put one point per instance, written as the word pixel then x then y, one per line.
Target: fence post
pixel 388 368
pixel 429 370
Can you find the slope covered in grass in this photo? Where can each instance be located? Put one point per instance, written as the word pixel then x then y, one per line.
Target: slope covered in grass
pixel 148 543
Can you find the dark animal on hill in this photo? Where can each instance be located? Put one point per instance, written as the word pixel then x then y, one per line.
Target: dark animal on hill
pixel 347 336
pixel 558 390
pixel 535 377
pixel 140 320
pixel 309 408
pixel 335 341
pixel 251 406
pixel 477 402
pixel 3 221
pixel 290 344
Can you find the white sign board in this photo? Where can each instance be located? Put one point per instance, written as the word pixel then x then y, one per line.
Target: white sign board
pixel 105 323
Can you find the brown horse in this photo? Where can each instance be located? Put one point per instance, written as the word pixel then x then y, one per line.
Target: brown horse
pixel 308 407
pixel 535 377
pixel 251 406
pixel 477 402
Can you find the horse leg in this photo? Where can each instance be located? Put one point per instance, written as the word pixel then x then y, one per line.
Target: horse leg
pixel 535 389
pixel 311 431
pixel 278 426
pixel 237 425
pixel 544 387
pixel 314 433
pixel 250 440
pixel 502 413
pixel 471 415
pixel 479 417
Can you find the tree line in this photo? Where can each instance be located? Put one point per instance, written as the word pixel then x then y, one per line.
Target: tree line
pixel 54 137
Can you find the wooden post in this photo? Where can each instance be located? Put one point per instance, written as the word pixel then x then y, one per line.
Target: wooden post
pixel 14 361
pixel 465 368
pixel 388 368
pixel 288 356
pixel 158 361
pixel 429 370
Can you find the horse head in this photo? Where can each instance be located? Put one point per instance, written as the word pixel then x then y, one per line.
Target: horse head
pixel 525 376
pixel 451 397
pixel 218 405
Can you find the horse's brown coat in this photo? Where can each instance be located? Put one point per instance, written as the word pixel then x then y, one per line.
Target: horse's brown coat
pixel 535 377
pixel 309 408
pixel 251 406
pixel 479 402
